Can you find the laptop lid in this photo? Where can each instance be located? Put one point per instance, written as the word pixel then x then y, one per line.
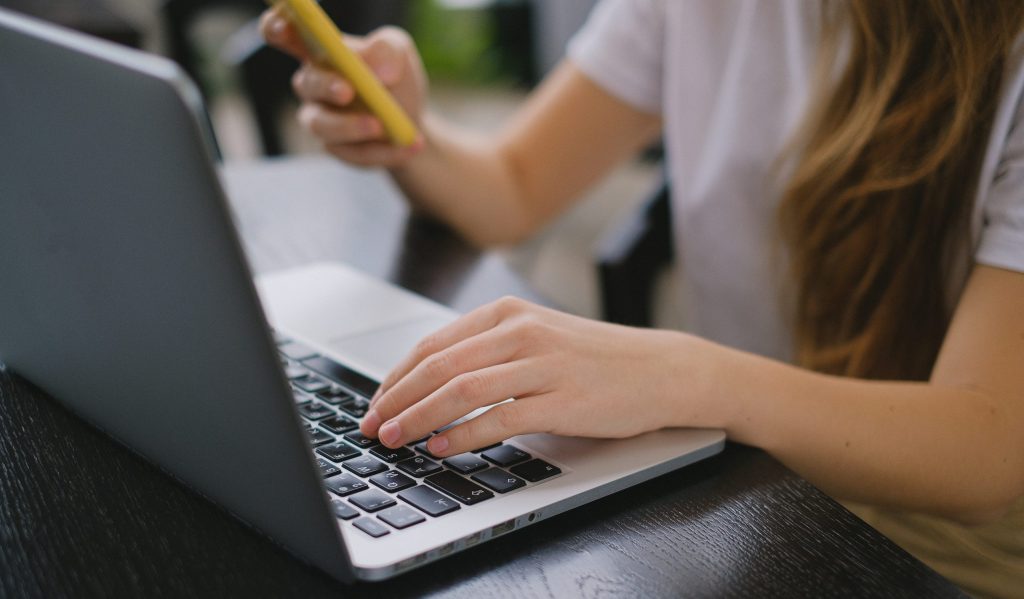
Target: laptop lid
pixel 124 291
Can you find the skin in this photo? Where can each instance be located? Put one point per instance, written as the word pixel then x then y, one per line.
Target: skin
pixel 952 446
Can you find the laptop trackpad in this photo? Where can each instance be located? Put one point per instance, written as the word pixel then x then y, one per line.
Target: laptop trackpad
pixel 376 352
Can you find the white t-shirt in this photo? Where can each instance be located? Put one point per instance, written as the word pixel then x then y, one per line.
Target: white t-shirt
pixel 730 79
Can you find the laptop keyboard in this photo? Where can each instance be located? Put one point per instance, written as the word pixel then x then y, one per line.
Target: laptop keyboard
pixel 380 490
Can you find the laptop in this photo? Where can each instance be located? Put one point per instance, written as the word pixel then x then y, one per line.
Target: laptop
pixel 126 295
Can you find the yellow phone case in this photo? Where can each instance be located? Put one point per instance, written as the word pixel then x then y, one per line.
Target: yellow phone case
pixel 327 43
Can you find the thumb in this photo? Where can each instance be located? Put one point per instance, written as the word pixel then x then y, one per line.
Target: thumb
pixel 384 51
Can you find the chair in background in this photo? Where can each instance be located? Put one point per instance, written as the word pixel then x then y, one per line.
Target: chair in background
pixel 629 259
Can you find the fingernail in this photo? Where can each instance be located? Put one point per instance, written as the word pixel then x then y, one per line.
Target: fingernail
pixel 371 421
pixel 337 90
pixel 390 432
pixel 437 444
pixel 277 27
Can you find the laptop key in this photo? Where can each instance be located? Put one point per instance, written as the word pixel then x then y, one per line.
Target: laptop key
pixel 498 480
pixel 355 408
pixel 371 526
pixel 392 481
pixel 458 487
pixel 297 351
pixel 391 455
pixel 418 466
pixel 312 384
pixel 401 516
pixel 316 411
pixel 294 371
pixel 506 455
pixel 327 469
pixel 334 395
pixel 535 470
pixel 465 463
pixel 318 437
pixel 483 449
pixel 343 510
pixel 338 452
pixel 346 484
pixel 372 500
pixel 338 425
pixel 344 375
pixel 360 440
pixel 364 466
pixel 422 448
pixel 429 501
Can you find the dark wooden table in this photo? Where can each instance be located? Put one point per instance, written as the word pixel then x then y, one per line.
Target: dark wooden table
pixel 82 516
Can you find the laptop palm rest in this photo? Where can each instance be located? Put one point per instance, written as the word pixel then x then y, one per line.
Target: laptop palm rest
pixel 367 323
pixel 381 349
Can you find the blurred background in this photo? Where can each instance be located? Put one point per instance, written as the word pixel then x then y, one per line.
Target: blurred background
pixel 483 57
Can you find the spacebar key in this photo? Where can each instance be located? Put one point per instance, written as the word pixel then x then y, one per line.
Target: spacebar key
pixel 458 487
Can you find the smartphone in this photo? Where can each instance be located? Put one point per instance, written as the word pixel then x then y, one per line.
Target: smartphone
pixel 327 45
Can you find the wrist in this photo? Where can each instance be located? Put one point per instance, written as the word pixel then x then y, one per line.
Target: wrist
pixel 412 175
pixel 705 382
pixel 406 170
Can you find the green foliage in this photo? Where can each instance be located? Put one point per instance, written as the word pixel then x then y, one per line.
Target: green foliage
pixel 456 44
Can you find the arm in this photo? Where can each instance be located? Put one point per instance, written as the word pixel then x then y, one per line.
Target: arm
pixel 569 133
pixel 953 446
pixel 492 189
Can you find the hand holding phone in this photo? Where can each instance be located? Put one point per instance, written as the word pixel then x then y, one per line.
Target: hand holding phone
pixel 327 46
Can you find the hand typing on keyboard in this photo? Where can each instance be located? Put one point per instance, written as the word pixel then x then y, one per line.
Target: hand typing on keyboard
pixel 569 375
pixel 367 479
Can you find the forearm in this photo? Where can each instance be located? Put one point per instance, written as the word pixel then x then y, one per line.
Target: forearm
pixel 485 205
pixel 501 188
pixel 916 446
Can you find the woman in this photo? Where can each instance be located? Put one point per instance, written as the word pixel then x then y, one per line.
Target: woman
pixel 849 211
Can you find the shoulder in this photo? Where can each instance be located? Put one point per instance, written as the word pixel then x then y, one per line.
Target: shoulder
pixel 626 46
pixel 620 49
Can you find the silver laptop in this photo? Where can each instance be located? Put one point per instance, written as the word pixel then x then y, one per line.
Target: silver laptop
pixel 124 293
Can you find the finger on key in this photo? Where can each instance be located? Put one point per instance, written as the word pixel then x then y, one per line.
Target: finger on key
pixel 501 422
pixel 479 320
pixel 461 396
pixel 436 371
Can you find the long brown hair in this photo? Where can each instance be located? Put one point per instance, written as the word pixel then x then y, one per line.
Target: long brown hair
pixel 877 209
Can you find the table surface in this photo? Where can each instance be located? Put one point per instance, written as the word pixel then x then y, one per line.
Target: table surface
pixel 83 516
